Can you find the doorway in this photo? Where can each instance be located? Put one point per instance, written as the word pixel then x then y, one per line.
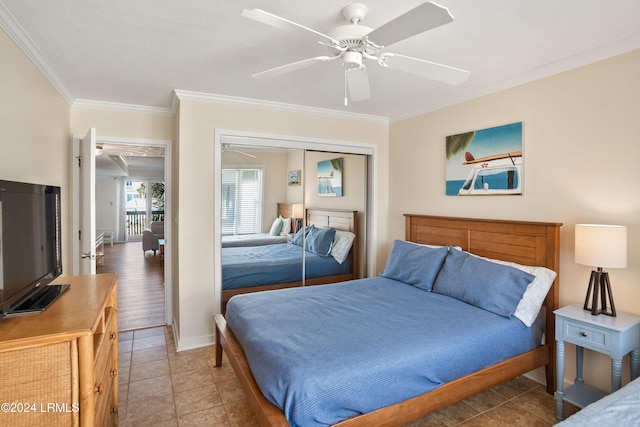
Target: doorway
pixel 128 160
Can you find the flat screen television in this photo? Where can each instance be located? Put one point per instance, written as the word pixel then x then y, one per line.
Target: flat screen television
pixel 30 247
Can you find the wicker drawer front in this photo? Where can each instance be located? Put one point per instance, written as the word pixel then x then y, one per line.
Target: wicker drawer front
pixel 35 382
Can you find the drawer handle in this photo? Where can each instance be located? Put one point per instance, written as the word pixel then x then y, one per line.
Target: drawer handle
pixel 113 373
pixel 113 336
pixel 583 334
pixel 99 388
pixel 114 410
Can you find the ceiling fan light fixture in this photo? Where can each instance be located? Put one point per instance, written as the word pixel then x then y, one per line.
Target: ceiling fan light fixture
pixel 352 60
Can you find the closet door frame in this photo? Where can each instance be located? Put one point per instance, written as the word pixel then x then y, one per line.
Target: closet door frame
pixel 239 138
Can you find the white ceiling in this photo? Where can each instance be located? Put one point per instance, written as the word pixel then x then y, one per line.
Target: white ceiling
pixel 129 160
pixel 139 52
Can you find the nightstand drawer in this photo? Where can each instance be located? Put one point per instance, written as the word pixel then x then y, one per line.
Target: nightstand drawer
pixel 587 336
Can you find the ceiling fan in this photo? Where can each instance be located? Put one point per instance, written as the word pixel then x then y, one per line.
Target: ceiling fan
pixel 353 43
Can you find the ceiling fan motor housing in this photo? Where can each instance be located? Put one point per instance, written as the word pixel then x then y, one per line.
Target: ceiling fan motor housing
pixel 351 38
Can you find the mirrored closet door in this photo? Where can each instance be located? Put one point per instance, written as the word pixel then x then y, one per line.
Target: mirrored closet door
pixel 261 208
pixel 283 212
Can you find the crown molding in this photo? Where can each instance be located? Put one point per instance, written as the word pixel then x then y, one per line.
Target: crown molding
pixel 185 95
pixel 15 31
pixel 120 107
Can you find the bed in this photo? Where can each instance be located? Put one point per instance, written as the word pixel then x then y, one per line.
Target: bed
pixel 258 239
pixel 621 408
pixel 269 267
pixel 286 211
pixel 526 243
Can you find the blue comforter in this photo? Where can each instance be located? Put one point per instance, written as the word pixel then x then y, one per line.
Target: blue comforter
pixel 326 353
pixel 244 267
pixel 259 239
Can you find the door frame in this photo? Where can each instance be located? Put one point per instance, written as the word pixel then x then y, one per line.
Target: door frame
pixel 168 214
pixel 236 137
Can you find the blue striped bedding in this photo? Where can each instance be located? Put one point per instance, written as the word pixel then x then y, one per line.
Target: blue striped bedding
pixel 326 353
pixel 244 267
pixel 259 239
pixel 621 408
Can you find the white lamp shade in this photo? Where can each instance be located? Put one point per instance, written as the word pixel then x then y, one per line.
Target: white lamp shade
pixel 297 210
pixel 601 245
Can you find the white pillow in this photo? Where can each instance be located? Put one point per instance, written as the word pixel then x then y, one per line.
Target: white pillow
pixel 276 227
pixel 286 226
pixel 341 246
pixel 433 246
pixel 533 297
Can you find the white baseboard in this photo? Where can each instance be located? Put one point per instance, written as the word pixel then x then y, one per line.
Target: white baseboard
pixel 191 343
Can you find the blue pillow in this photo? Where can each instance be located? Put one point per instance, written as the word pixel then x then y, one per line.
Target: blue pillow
pixel 319 240
pixel 414 264
pixel 490 286
pixel 297 238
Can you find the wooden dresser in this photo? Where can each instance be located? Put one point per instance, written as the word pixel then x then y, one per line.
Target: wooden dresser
pixel 60 367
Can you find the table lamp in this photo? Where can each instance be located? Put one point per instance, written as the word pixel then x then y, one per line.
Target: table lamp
pixel 298 215
pixel 601 246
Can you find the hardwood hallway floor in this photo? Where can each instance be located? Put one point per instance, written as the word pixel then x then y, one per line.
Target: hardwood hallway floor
pixel 140 285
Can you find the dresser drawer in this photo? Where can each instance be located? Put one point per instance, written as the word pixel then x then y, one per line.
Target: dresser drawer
pixel 104 392
pixel 587 336
pixel 104 343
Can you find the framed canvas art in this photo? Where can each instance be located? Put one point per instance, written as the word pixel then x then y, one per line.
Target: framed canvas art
pixel 330 178
pixel 485 162
pixel 294 178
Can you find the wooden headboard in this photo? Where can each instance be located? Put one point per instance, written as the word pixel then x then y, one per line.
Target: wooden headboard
pixel 523 242
pixel 335 218
pixel 285 210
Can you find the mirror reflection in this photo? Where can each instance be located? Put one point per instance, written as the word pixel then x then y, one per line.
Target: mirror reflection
pixel 279 229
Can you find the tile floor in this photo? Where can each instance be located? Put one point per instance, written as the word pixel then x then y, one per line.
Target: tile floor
pixel 161 387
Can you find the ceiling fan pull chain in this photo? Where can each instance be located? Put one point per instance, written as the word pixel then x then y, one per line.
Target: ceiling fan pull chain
pixel 346 100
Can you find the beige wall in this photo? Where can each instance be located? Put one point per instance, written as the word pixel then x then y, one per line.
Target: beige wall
pixel 34 130
pixel 122 124
pixel 295 162
pixel 198 121
pixel 581 151
pixel 353 182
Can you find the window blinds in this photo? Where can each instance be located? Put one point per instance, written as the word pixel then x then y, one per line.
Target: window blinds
pixel 241 201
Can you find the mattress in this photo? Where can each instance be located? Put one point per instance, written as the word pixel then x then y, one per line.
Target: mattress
pixel 326 353
pixel 244 267
pixel 259 239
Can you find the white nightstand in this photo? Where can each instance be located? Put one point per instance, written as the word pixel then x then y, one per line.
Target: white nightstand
pixel 613 336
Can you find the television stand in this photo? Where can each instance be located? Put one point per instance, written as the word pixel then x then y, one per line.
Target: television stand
pixel 39 300
pixel 61 366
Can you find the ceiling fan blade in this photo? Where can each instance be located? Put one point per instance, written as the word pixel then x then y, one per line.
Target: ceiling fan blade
pixel 227 147
pixel 282 23
pixel 243 153
pixel 358 83
pixel 418 20
pixel 422 68
pixel 293 66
